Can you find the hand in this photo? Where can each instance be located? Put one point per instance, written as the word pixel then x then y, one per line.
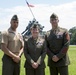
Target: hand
pixel 35 65
pixel 16 59
pixel 55 58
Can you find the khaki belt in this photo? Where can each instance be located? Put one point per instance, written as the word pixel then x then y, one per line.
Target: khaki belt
pixel 16 53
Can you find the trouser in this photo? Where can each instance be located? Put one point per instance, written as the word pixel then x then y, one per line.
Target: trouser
pixel 59 70
pixel 9 66
pixel 32 71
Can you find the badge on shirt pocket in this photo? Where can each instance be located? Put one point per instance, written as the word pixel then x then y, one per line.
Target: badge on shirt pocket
pixel 59 35
pixel 39 44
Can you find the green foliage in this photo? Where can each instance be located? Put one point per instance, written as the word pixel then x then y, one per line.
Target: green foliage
pixel 72 66
pixel 73 39
pixel 72 32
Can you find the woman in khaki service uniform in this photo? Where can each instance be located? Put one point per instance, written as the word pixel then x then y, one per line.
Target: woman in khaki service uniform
pixel 35 52
pixel 12 46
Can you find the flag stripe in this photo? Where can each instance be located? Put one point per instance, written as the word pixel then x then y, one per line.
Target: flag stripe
pixel 29 5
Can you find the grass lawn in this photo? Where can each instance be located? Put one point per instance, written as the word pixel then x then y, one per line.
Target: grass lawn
pixel 72 66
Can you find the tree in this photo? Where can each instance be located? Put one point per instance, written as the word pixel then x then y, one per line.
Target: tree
pixel 72 31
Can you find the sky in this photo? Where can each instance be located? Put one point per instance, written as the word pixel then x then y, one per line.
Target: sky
pixel 65 9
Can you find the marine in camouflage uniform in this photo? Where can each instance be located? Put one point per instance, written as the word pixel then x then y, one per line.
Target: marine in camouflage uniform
pixel 12 46
pixel 35 52
pixel 57 40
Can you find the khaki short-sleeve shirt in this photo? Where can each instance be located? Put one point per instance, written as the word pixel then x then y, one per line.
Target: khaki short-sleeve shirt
pixel 13 40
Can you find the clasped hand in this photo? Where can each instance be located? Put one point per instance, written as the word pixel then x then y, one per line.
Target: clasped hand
pixel 35 65
pixel 16 59
pixel 55 58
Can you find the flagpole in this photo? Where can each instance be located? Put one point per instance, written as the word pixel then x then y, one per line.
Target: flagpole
pixel 30 10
